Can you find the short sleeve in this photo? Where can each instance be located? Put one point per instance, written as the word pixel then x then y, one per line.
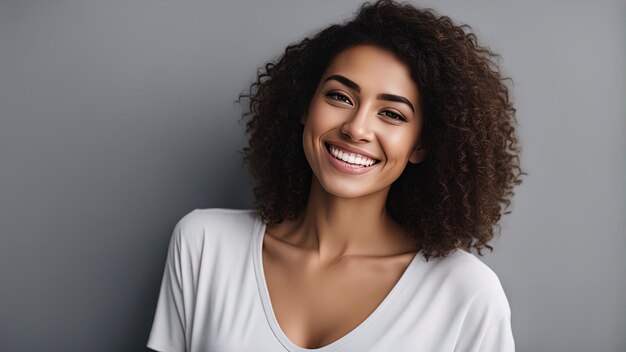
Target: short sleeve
pixel 168 327
pixel 486 325
pixel 499 337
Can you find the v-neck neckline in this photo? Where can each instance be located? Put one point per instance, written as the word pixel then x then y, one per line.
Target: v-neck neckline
pixel 257 256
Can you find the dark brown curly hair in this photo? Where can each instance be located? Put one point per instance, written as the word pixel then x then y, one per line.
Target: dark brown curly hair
pixel 455 197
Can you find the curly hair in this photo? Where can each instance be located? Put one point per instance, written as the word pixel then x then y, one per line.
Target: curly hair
pixel 456 196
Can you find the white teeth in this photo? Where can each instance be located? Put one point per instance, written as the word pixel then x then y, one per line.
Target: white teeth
pixel 352 158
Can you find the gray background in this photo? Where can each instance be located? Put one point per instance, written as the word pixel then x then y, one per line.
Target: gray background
pixel 117 118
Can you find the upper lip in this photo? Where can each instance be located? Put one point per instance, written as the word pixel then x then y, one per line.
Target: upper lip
pixel 351 149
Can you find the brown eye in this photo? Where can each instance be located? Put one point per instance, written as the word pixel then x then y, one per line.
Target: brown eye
pixel 338 97
pixel 392 115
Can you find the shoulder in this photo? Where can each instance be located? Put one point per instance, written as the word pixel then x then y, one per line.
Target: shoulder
pixel 199 220
pixel 220 228
pixel 465 272
pixel 483 308
pixel 468 284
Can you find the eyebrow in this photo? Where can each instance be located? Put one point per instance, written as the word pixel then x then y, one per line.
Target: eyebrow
pixel 383 96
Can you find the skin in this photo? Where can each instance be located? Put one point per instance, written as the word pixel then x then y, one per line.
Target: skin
pixel 329 269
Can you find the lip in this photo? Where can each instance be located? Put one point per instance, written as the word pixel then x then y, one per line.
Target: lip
pixel 345 167
pixel 350 149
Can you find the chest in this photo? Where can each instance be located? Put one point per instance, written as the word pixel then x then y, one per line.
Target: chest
pixel 317 307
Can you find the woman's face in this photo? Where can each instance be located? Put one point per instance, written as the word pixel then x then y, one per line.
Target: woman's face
pixel 363 124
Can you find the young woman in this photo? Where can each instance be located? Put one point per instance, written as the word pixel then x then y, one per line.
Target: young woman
pixel 384 150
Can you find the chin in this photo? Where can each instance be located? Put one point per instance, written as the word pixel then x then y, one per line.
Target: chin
pixel 347 190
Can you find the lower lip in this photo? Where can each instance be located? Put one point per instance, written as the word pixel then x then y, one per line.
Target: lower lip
pixel 345 167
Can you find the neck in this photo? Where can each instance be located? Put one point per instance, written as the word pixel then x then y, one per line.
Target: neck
pixel 335 227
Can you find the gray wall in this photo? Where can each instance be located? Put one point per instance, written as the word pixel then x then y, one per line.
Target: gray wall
pixel 117 118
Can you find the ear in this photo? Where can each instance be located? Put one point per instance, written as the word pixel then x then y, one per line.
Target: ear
pixel 418 155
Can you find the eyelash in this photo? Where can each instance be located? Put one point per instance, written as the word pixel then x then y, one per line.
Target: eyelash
pixel 344 99
pixel 340 97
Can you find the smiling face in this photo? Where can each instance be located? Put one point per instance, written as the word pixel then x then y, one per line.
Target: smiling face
pixel 363 124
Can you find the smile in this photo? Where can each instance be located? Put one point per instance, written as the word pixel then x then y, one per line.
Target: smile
pixel 348 162
pixel 350 158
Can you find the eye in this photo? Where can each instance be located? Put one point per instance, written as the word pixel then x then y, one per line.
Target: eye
pixel 338 97
pixel 392 115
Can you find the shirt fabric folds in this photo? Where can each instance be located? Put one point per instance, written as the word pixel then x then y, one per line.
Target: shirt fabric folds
pixel 214 297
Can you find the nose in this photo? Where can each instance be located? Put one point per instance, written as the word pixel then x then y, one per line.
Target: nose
pixel 358 127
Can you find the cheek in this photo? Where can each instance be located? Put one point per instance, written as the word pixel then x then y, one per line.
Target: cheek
pixel 400 143
pixel 308 144
pixel 321 118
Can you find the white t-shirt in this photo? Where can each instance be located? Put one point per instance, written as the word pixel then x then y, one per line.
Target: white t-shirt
pixel 214 298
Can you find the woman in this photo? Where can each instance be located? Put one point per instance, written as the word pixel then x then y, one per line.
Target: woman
pixel 384 150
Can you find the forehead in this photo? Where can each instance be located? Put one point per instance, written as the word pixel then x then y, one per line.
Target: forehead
pixel 375 70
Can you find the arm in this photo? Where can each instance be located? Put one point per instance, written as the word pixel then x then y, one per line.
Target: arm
pixel 168 328
pixel 499 337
